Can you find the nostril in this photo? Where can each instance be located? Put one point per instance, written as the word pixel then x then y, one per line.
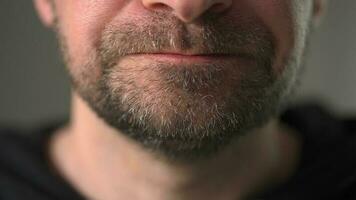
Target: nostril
pixel 159 6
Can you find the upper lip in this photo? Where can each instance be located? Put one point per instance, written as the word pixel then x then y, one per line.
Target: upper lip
pixel 198 54
pixel 188 53
pixel 206 52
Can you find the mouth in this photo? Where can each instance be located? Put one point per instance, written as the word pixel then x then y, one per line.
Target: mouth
pixel 184 57
pixel 188 58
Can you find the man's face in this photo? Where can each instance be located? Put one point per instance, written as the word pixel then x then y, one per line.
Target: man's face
pixel 178 81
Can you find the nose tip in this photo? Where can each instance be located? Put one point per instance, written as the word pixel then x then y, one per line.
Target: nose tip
pixel 188 10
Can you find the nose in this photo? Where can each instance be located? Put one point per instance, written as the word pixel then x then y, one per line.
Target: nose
pixel 188 10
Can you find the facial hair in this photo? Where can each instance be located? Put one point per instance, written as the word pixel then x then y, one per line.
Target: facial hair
pixel 183 111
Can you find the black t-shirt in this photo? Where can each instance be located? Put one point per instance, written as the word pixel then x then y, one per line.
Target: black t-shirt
pixel 327 170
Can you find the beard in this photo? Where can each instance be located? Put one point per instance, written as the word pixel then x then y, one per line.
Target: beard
pixel 183 111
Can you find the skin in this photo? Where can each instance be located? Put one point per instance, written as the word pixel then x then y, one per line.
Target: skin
pixel 113 166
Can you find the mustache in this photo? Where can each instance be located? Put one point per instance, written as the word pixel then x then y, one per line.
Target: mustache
pixel 162 33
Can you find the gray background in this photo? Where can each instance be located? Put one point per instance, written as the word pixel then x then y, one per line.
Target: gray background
pixel 34 86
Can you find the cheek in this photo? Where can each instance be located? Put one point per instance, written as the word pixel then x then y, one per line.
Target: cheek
pixel 81 22
pixel 287 21
pixel 277 15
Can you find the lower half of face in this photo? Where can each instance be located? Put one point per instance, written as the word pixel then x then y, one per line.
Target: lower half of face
pixel 184 90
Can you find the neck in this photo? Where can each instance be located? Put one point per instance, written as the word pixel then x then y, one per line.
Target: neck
pixel 114 167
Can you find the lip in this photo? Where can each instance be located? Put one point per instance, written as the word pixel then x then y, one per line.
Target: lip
pixel 176 57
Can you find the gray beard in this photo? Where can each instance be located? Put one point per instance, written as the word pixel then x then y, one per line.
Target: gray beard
pixel 192 112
